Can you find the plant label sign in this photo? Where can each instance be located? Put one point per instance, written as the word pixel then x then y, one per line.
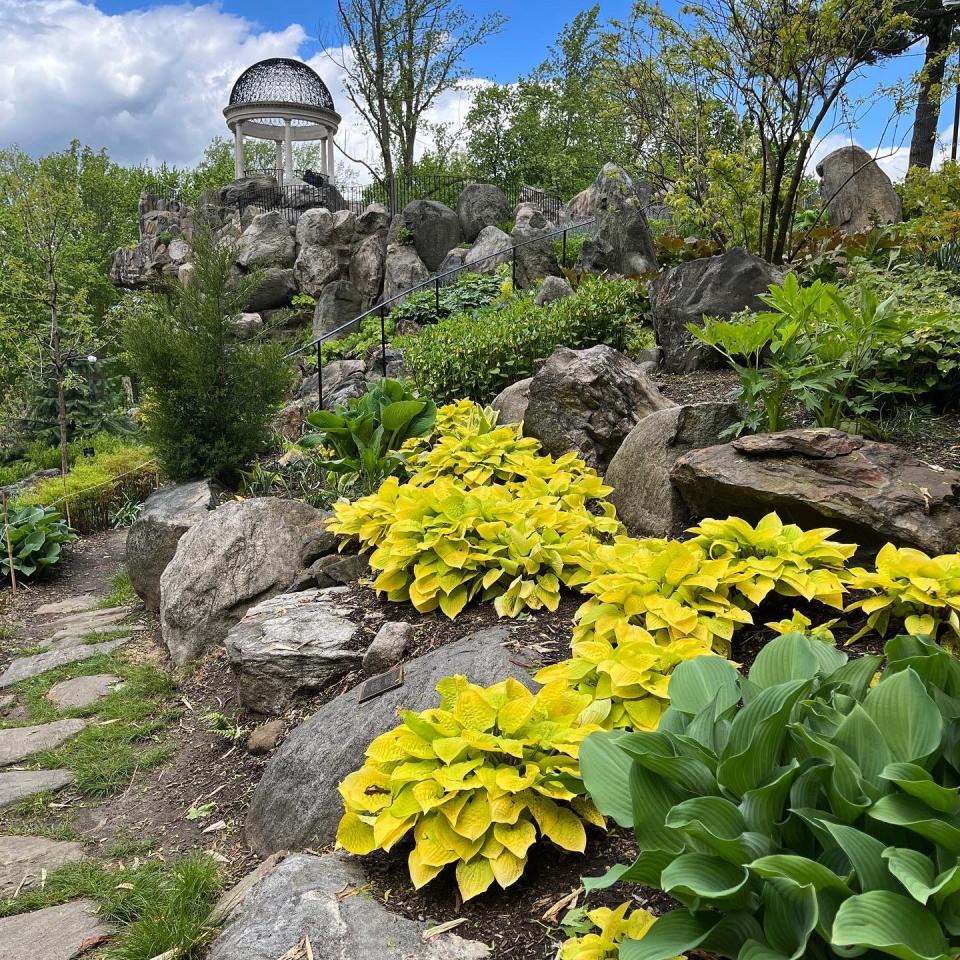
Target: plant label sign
pixel 380 684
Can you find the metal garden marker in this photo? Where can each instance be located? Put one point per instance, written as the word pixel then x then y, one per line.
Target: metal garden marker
pixel 380 684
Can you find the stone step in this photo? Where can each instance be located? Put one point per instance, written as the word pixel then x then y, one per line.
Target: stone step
pixel 72 640
pixel 17 785
pixel 83 624
pixel 24 859
pixel 26 667
pixel 18 743
pixel 56 933
pixel 60 608
pixel 82 691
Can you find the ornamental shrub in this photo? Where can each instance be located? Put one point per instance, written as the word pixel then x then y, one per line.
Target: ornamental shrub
pixel 808 810
pixel 476 355
pixel 476 780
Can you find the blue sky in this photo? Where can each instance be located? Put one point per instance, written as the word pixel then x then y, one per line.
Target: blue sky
pixel 148 80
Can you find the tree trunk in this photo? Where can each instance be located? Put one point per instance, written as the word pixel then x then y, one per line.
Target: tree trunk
pixel 930 94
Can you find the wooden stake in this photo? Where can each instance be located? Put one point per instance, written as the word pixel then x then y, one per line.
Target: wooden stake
pixel 6 531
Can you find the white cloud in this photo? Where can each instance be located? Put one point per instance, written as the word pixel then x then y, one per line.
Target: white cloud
pixel 149 85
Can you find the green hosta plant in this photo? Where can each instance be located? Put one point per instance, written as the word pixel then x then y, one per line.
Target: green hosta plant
pixel 808 810
pixel 909 588
pixel 367 434
pixel 36 536
pixel 475 780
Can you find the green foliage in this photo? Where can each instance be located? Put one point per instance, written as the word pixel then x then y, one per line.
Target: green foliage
pixel 367 434
pixel 475 780
pixel 468 293
pixel 803 811
pixel 931 205
pixel 36 536
pixel 121 591
pixel 612 926
pixel 208 395
pixel 477 355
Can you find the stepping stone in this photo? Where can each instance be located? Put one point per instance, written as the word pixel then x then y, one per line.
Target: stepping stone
pixel 17 785
pixel 82 624
pixel 18 743
pixel 23 860
pixel 86 601
pixel 57 933
pixel 68 643
pixel 25 667
pixel 81 691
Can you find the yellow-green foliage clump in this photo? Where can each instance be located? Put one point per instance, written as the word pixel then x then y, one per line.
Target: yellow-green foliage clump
pixel 476 780
pixel 613 926
pixel 907 587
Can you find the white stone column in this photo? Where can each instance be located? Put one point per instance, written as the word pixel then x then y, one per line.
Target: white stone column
pixel 278 160
pixel 288 153
pixel 323 154
pixel 238 163
pixel 331 160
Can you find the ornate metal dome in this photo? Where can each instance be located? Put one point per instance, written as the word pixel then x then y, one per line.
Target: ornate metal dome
pixel 280 80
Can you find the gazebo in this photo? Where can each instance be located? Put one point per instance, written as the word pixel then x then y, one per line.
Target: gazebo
pixel 285 101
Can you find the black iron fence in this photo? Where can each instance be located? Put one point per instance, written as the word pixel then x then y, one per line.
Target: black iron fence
pixel 436 283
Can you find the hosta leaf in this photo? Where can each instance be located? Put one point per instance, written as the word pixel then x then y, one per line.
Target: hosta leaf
pixel 421 873
pixel 919 783
pixel 790 915
pixel 865 854
pixel 702 681
pixel 474 877
pixel 891 923
pixel 800 870
pixel 915 815
pixel 907 714
pixel 679 932
pixel 355 836
pixel 693 876
pixel 605 768
pixel 507 868
pixel 517 837
pixel 918 873
pixel 474 819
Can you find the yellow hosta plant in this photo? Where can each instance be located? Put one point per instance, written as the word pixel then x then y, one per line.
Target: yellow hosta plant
pixel 773 556
pixel 475 781
pixel 907 587
pixel 613 926
pixel 441 545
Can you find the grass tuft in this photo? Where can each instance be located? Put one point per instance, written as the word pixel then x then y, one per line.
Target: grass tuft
pixel 121 592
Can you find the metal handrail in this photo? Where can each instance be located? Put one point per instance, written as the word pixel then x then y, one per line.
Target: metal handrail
pixel 434 282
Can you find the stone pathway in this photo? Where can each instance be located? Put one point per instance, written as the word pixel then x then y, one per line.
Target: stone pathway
pixel 26 667
pixel 82 691
pixel 17 785
pixel 57 933
pixel 23 861
pixel 84 624
pixel 18 743
pixel 60 608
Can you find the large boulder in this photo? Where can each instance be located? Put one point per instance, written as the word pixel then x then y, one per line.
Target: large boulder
pixel 277 287
pixel 534 252
pixel 403 269
pixel 296 803
pixel 238 555
pixel 511 402
pixel 315 228
pixel 248 190
pixel 291 644
pixel 492 248
pixel 709 287
pixel 620 242
pixel 435 229
pixel 267 242
pixel 367 262
pixel 316 267
pixel 343 380
pixel 481 205
pixel 337 305
pixel 858 194
pixel 553 288
pixel 308 898
pixel 581 207
pixel 872 492
pixel 588 401
pixel 646 500
pixel 167 515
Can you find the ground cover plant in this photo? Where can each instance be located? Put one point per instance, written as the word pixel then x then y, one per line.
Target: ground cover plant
pixel 32 540
pixel 807 809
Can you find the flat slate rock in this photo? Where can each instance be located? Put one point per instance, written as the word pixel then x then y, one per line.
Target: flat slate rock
pixel 299 898
pixel 23 860
pixel 82 624
pixel 17 785
pixel 81 691
pixel 296 804
pixel 26 667
pixel 57 933
pixel 18 743
pixel 60 608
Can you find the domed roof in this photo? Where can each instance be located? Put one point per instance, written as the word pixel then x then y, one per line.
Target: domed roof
pixel 281 80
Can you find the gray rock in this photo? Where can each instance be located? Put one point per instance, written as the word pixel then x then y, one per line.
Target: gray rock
pixel 167 515
pixel 248 325
pixel 296 803
pixel 481 205
pixel 81 691
pixel 367 263
pixel 620 242
pixel 403 269
pixel 178 250
pixel 343 380
pixel 646 500
pixel 25 667
pixel 588 401
pixel 56 933
pixel 24 859
pixel 709 287
pixel 858 194
pixel 265 737
pixel 302 897
pixel 18 743
pixel 17 785
pixel 871 492
pixel 511 402
pixel 534 247
pixel 453 261
pixel 435 228
pixel 291 644
pixel 581 207
pixel 245 552
pixel 553 288
pixel 248 189
pixel 388 647
pixel 492 248
pixel 315 228
pixel 68 605
pixel 316 267
pixel 277 288
pixel 266 242
pixel 337 306
pixel 76 626
pixel 334 570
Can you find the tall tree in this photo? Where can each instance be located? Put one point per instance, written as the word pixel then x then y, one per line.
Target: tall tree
pixel 398 57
